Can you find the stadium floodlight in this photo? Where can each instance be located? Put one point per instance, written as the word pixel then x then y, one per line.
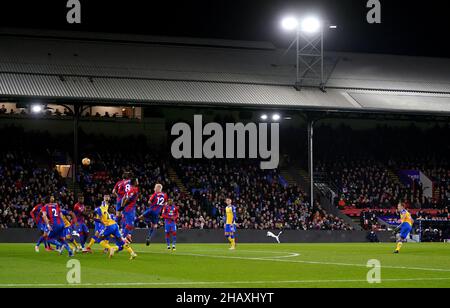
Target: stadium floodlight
pixel 264 117
pixel 36 108
pixel 309 48
pixel 289 23
pixel 276 117
pixel 310 25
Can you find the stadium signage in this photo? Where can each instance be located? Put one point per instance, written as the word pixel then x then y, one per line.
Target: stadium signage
pixel 228 142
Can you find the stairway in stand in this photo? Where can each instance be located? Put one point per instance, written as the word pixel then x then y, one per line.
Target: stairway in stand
pixel 173 176
pixel 288 177
pixel 71 186
pixel 297 175
pixel 393 176
pixel 436 193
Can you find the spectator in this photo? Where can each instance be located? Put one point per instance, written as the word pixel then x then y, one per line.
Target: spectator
pixel 67 112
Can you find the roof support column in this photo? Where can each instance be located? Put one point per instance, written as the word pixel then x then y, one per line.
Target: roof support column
pixel 311 159
pixel 76 118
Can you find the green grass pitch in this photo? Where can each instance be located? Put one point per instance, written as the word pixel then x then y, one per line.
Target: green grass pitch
pixel 251 265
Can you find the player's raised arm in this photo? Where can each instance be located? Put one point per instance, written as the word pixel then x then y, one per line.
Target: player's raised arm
pixel 32 213
pixel 151 199
pixel 125 200
pixel 74 218
pixel 176 214
pixel 97 215
pixel 114 191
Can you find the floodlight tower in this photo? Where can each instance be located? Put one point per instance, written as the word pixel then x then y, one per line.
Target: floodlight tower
pixel 309 70
pixel 309 50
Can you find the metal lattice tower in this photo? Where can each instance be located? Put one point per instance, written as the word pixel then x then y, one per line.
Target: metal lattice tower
pixel 310 66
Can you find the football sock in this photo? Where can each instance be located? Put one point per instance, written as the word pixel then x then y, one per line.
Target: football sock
pixel 151 231
pixel 41 240
pixel 92 242
pixel 168 239
pixel 55 242
pixel 128 248
pixel 82 239
pixel 67 247
pixel 105 244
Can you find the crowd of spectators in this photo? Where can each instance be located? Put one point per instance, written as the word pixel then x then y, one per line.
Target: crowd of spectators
pixel 363 167
pixel 263 199
pixel 381 219
pixel 364 184
pixel 124 113
pixel 22 182
pixel 363 178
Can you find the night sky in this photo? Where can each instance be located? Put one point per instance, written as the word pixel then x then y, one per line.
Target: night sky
pixel 407 28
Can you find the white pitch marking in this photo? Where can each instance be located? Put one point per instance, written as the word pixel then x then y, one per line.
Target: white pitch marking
pixel 301 261
pixel 276 258
pixel 288 254
pixel 211 282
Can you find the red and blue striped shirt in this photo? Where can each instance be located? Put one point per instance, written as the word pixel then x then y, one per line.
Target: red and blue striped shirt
pixel 157 201
pixel 36 214
pixel 53 212
pixel 122 187
pixel 132 196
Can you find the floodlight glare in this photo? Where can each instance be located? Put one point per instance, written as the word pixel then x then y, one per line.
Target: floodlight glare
pixel 36 108
pixel 289 23
pixel 310 25
pixel 276 117
pixel 264 117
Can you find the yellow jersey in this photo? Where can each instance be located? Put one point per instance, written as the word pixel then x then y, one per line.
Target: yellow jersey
pixel 66 221
pixel 230 215
pixel 104 216
pixel 405 216
pixel 65 218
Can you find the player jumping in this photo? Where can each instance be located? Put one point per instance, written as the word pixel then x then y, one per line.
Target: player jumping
pixel 129 209
pixel 152 214
pixel 120 189
pixel 230 223
pixel 170 215
pixel 405 227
